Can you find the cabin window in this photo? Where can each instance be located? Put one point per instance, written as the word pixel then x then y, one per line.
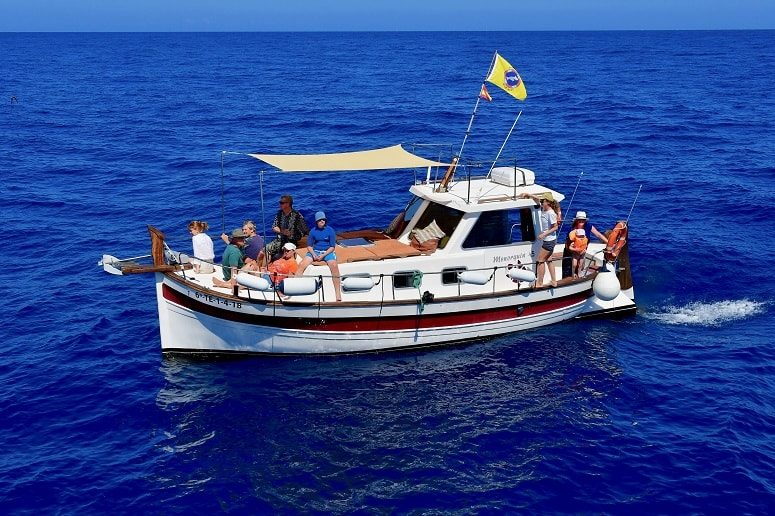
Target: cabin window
pixel 522 222
pixel 449 276
pixel 501 227
pixel 403 279
pixel 446 218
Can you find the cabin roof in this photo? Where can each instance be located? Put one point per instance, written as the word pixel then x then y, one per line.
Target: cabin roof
pixel 483 195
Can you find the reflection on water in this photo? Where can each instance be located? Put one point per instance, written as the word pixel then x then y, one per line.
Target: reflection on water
pixel 483 414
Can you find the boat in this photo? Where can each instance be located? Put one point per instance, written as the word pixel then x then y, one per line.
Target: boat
pixel 458 263
pixel 477 281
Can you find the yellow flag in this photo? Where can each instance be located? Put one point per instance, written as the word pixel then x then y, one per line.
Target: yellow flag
pixel 505 76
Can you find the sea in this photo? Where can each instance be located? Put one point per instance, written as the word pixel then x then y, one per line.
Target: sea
pixel 671 411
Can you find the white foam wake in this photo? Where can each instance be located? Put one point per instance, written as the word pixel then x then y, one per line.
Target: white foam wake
pixel 708 314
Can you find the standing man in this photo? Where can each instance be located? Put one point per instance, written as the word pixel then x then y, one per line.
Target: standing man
pixel 289 226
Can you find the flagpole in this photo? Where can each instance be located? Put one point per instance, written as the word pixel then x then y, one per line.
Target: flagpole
pixel 470 123
pixel 476 106
pixel 504 144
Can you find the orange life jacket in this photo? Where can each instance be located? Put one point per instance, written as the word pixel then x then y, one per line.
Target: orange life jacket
pixel 579 243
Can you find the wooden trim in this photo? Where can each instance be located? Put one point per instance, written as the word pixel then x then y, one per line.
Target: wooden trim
pixel 157 246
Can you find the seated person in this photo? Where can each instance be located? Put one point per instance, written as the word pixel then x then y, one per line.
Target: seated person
pixel 321 243
pixel 578 247
pixel 254 244
pixel 284 266
pixel 204 253
pixel 233 260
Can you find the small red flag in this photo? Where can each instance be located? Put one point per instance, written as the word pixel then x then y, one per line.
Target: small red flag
pixel 484 94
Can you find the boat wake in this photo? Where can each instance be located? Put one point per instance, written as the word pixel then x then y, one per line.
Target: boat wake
pixel 708 314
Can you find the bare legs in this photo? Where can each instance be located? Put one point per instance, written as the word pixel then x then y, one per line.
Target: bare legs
pixel 335 277
pixel 333 266
pixel 544 255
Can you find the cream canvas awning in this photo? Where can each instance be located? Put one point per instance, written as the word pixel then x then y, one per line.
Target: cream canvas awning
pixel 375 159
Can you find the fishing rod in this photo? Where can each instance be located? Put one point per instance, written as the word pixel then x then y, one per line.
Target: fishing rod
pixel 570 203
pixel 504 144
pixel 633 203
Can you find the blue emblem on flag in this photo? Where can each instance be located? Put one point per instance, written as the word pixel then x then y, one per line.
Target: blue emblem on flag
pixel 511 78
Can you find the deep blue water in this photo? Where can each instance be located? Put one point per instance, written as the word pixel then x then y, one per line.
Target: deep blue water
pixel 671 411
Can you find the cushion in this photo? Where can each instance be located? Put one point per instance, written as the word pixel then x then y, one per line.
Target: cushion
pixel 429 246
pixel 392 249
pixel 432 231
pixel 426 240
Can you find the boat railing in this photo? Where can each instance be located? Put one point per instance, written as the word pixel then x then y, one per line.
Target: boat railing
pixel 485 275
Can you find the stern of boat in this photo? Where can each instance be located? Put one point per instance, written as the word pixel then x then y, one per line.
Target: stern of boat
pixel 612 302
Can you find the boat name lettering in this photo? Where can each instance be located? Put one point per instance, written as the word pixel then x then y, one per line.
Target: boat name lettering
pixel 509 259
pixel 216 300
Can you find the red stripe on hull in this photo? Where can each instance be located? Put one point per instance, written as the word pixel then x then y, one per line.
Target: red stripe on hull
pixel 370 324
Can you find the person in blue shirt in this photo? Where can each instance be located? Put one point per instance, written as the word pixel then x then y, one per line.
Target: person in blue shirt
pixel 321 244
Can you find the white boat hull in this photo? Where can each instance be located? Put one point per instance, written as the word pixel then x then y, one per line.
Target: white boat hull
pixel 194 321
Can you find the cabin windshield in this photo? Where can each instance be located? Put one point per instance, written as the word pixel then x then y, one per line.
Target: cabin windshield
pixel 501 227
pixel 399 222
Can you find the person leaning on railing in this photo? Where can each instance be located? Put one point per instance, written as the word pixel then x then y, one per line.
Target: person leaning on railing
pixel 549 219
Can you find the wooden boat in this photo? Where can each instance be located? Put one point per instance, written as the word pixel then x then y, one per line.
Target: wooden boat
pixel 477 283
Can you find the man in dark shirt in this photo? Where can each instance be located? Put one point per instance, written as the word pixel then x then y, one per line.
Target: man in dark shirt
pixel 289 226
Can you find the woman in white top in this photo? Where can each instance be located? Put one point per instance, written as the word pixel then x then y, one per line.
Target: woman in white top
pixel 549 223
pixel 203 247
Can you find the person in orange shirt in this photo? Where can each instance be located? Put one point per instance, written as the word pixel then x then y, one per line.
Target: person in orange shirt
pixel 578 246
pixel 284 266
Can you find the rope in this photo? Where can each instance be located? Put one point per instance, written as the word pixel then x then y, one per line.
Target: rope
pixel 417 283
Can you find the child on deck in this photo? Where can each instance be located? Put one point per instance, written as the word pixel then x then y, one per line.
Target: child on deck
pixel 578 246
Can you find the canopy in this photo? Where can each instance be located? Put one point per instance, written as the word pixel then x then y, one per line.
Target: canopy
pixel 376 159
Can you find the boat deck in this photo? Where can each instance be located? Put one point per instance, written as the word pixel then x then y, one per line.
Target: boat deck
pixel 205 280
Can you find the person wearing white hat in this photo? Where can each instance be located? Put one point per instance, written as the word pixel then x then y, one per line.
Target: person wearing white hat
pixel 580 221
pixel 284 266
pixel 321 244
pixel 578 247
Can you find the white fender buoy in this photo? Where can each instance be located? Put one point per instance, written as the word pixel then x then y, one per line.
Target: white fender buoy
pixel 606 285
pixel 299 286
pixel 517 274
pixel 357 283
pixel 474 277
pixel 256 282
